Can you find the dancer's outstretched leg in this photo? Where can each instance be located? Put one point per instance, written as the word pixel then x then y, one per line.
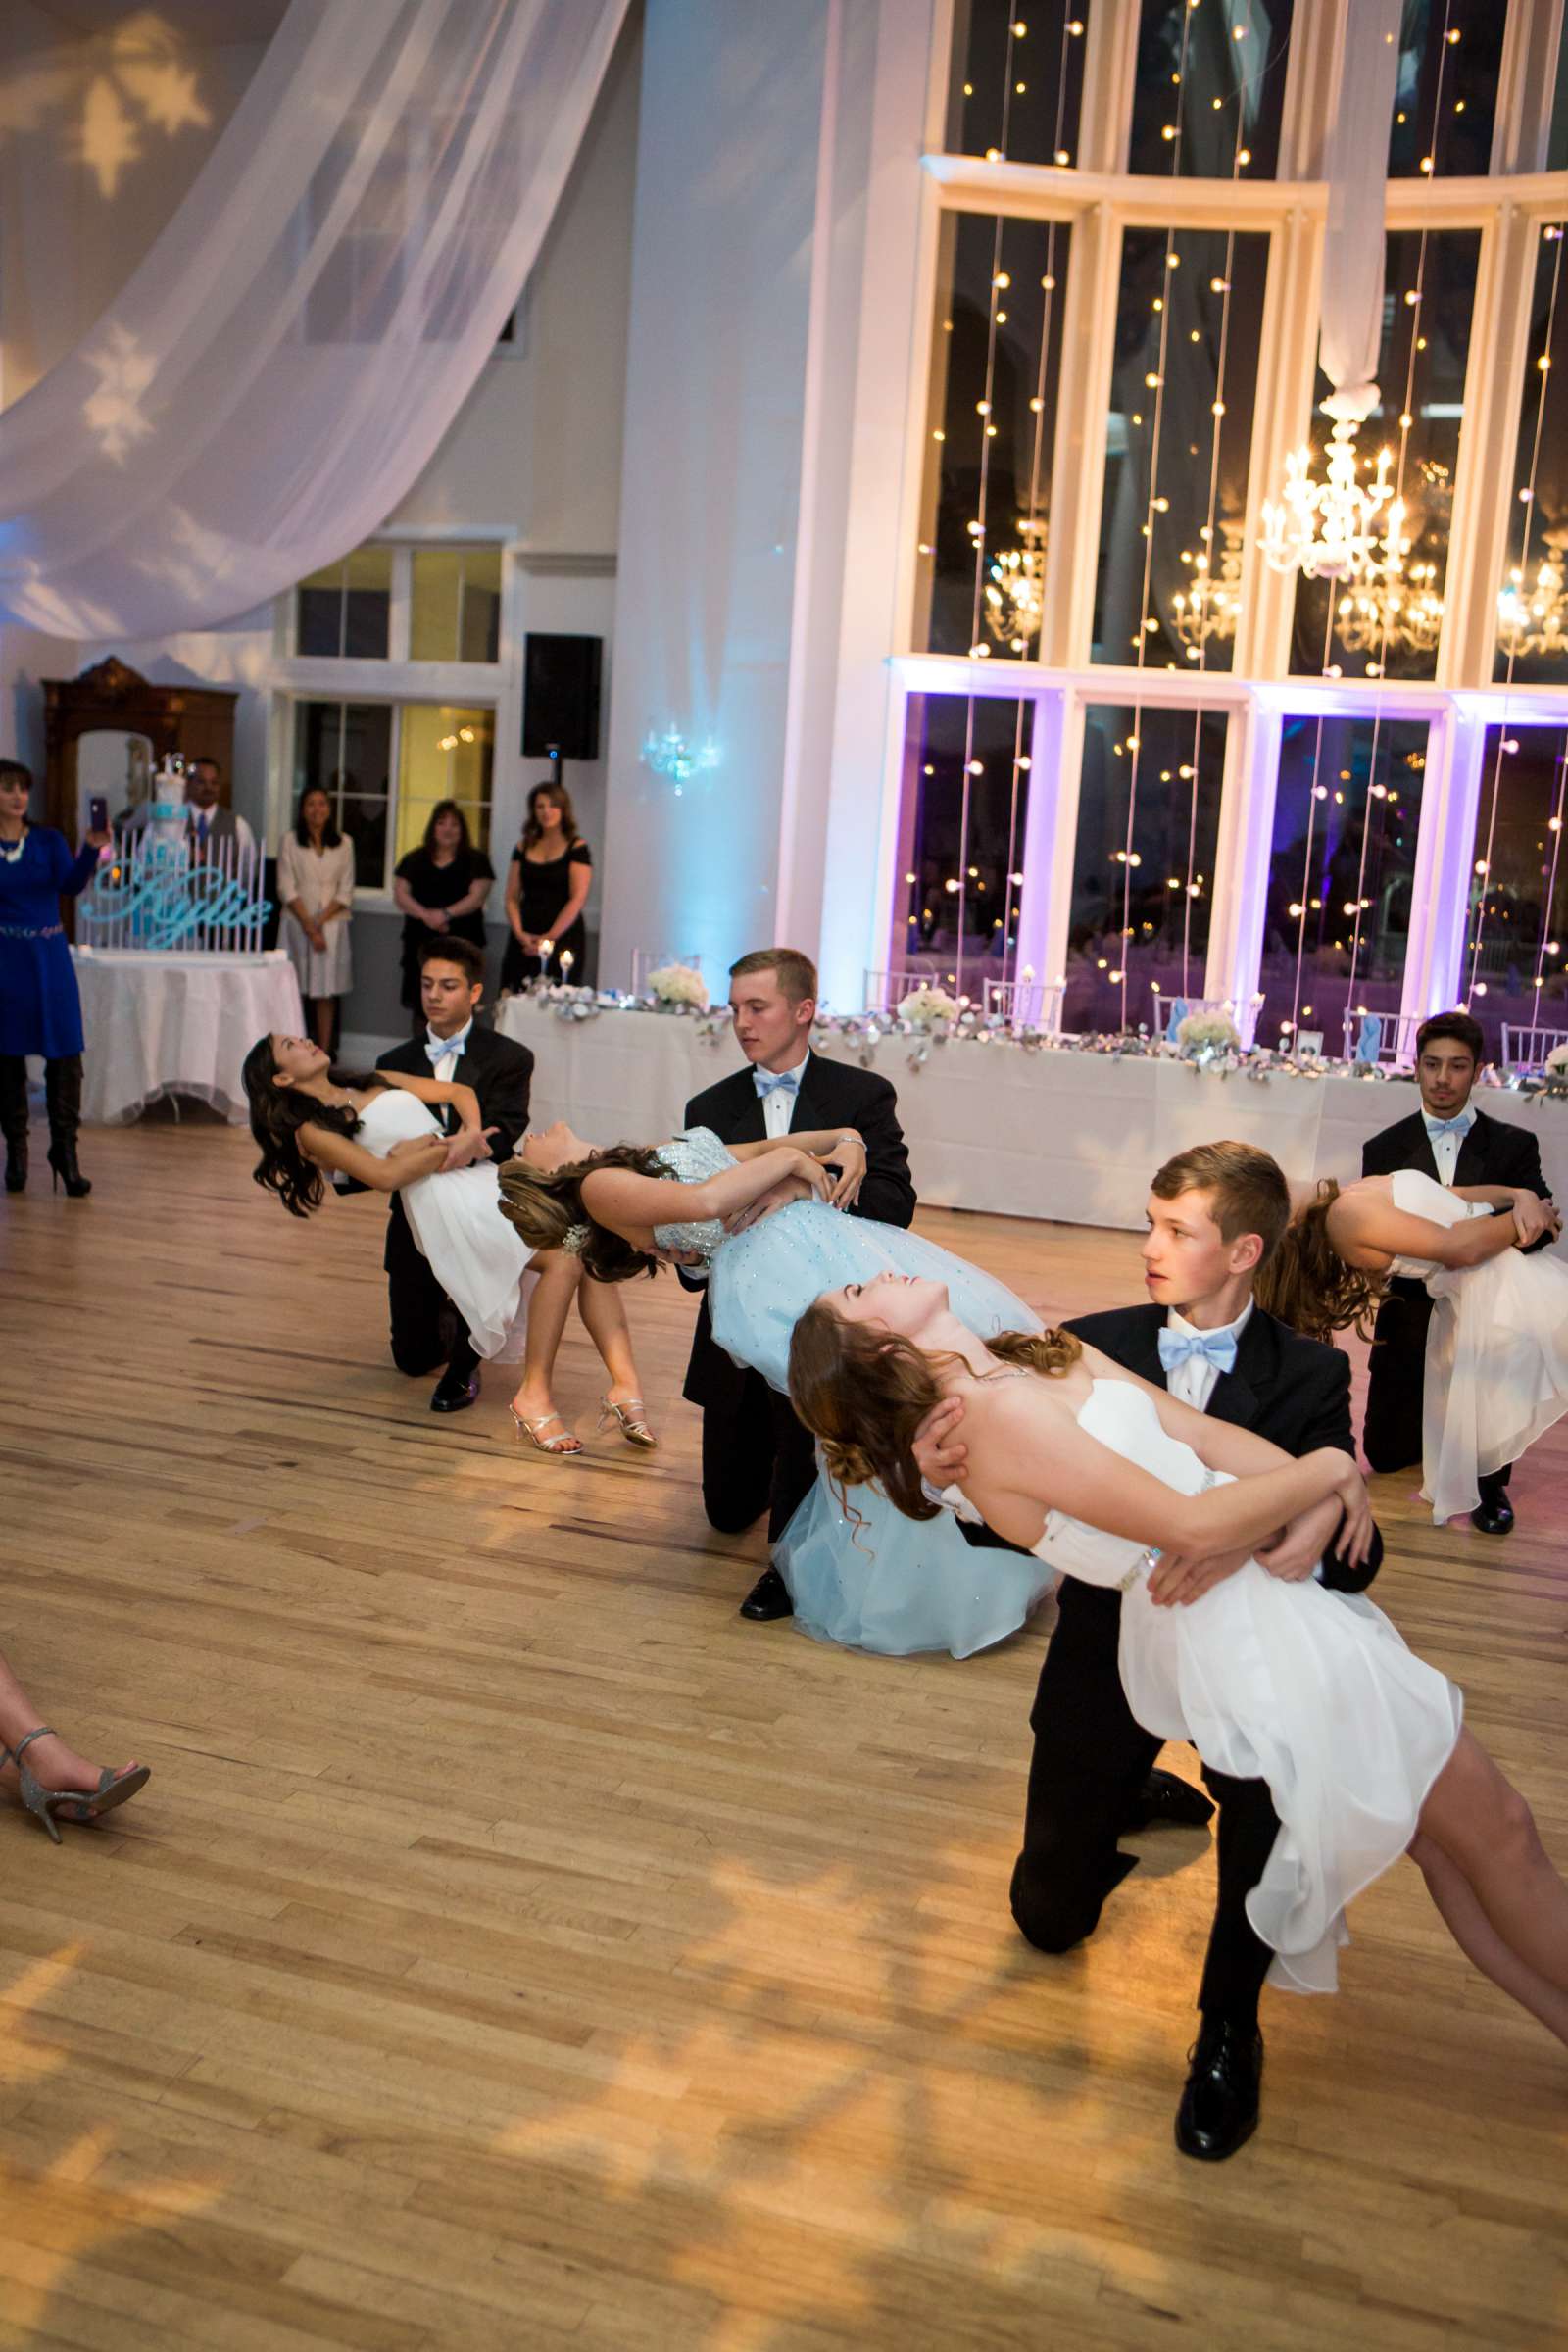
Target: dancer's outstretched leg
pixel 1479 1821
pixel 548 1308
pixel 1480 1941
pixel 603 1314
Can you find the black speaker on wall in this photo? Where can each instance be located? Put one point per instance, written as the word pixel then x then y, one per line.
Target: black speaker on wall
pixel 560 679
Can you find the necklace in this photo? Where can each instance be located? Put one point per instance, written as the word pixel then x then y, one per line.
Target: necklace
pixel 12 850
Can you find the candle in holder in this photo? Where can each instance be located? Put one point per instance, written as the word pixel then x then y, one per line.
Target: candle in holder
pixel 566 965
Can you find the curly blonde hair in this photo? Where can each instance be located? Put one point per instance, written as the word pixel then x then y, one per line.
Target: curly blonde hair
pixel 1307 1283
pixel 864 1391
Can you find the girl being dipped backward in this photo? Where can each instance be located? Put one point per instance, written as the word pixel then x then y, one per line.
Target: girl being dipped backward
pixel 379 1129
pixel 1102 1474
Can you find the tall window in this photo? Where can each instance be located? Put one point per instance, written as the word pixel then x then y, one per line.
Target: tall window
pixel 1168 592
pixel 1450 54
pixel 996 369
pixel 344 613
pixel 1392 629
pixel 1533 601
pixel 1017 80
pixel 967 763
pixel 1346 814
pixel 1209 93
pixel 1516 942
pixel 346 749
pixel 1142 864
pixel 444 753
pixel 455 613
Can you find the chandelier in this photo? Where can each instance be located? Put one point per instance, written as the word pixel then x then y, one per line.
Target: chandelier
pixel 1015 592
pixel 1402 614
pixel 1535 620
pixel 1207 610
pixel 1342 527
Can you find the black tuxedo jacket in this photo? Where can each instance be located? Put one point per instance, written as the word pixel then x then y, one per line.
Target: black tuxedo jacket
pixel 832 1093
pixel 1294 1390
pixel 1494 1151
pixel 499 1072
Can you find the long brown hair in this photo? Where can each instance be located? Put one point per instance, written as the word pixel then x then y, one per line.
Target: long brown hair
pixel 1307 1283
pixel 864 1391
pixel 544 1209
pixel 533 831
pixel 278 1112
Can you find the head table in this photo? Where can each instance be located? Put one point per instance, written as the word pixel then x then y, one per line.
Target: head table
pixel 1070 1136
pixel 172 1024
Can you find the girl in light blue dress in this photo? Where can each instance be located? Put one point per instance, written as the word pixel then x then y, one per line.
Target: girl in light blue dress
pixel 764 1219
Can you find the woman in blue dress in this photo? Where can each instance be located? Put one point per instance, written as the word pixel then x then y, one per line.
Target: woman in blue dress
pixel 764 1219
pixel 40 1011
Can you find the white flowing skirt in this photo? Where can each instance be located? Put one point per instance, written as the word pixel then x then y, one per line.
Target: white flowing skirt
pixel 481 1261
pixel 1316 1693
pixel 1496 1371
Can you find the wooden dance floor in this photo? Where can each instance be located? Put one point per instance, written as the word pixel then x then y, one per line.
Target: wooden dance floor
pixel 515 1949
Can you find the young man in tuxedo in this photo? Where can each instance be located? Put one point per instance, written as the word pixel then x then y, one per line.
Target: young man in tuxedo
pixel 756 1456
pixel 500 1071
pixel 1214 1213
pixel 1450 1140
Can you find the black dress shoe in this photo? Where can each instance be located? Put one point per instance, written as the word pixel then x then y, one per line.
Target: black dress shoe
pixel 453 1395
pixel 1493 1514
pixel 1218 2113
pixel 769 1598
pixel 1165 1803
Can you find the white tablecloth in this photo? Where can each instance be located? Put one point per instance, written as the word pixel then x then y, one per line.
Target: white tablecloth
pixel 176 1024
pixel 1075 1136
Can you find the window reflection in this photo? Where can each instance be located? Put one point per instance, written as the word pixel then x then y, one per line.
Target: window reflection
pixel 1516 939
pixel 1143 867
pixel 344 613
pixel 1392 630
pixel 1347 812
pixel 1209 89
pixel 346 748
pixel 1169 584
pixel 996 371
pixel 960 844
pixel 1017 79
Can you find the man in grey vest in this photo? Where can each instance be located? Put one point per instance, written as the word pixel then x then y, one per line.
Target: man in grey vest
pixel 207 825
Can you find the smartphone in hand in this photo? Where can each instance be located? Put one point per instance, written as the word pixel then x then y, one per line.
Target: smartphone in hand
pixel 97 814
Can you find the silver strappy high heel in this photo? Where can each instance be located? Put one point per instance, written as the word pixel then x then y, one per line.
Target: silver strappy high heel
pixel 54 1805
pixel 629 1420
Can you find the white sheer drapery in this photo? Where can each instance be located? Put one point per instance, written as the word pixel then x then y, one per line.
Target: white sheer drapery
pixel 1353 245
pixel 280 369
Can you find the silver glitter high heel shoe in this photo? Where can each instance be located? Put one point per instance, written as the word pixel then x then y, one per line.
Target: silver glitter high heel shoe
pixel 629 1420
pixel 54 1805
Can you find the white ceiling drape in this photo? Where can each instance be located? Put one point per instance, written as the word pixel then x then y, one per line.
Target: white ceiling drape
pixel 1351 316
pixel 280 367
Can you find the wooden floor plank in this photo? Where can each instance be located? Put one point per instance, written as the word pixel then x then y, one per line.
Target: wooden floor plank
pixel 515 1948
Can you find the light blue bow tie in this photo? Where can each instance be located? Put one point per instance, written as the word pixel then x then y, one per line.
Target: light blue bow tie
pixel 765 1081
pixel 1459 1126
pixel 1217 1347
pixel 438 1047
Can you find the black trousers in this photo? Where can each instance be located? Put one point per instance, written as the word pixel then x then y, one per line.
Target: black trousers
pixel 427 1332
pixel 756 1458
pixel 1391 1435
pixel 1090 1759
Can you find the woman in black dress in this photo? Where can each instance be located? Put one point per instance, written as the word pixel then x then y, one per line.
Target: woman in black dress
pixel 546 889
pixel 440 887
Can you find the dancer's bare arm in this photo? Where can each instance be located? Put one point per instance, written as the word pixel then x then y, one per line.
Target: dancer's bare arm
pixel 843 1146
pixel 1028 1456
pixel 632 1205
pixel 435 1091
pixel 421 1156
pixel 1367 1231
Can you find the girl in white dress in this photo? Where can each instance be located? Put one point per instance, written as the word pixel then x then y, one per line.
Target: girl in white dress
pixel 316 884
pixel 1109 1478
pixel 1496 1353
pixel 380 1130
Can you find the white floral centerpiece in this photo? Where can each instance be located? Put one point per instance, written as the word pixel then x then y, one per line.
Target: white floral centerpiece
pixel 1557 1062
pixel 1207 1032
pixel 678 986
pixel 923 1007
